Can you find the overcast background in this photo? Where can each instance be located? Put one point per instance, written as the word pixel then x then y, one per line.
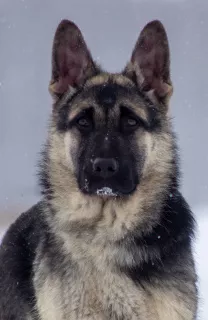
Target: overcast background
pixel 111 28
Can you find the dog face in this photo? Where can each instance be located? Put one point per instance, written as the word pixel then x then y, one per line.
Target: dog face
pixel 106 132
pixel 108 126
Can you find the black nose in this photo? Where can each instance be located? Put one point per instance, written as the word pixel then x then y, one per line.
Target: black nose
pixel 105 167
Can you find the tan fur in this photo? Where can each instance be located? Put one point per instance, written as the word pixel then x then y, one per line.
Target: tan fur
pixel 90 295
pixel 171 305
pixel 104 78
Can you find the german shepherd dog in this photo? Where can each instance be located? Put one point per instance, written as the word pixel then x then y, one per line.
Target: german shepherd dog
pixel 112 236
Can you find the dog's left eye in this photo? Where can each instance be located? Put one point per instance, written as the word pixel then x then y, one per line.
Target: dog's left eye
pixel 131 122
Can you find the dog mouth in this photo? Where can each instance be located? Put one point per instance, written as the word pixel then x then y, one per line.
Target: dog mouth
pixel 106 192
pixel 114 187
pixel 99 190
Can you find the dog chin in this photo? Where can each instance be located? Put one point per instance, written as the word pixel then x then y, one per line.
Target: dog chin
pixel 106 192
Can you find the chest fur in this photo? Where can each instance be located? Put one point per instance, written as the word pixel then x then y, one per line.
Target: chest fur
pixel 90 288
pixel 86 293
pixel 92 295
pixel 107 296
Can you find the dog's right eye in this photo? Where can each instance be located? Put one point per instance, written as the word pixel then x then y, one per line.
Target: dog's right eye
pixel 84 123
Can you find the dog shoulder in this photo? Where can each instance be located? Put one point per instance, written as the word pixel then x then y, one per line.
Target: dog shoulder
pixel 17 253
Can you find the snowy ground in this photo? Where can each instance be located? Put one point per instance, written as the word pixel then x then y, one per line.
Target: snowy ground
pixel 200 251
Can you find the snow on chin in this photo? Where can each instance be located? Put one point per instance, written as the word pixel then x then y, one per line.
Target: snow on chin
pixel 105 191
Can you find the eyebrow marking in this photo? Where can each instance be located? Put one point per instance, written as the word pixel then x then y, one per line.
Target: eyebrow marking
pixel 138 111
pixel 105 78
pixel 74 113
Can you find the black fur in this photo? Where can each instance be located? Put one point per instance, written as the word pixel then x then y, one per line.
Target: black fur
pixel 166 245
pixel 107 96
pixel 17 254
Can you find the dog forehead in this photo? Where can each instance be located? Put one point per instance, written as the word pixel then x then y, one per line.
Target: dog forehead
pixel 106 95
pixel 100 97
pixel 107 92
pixel 107 88
pixel 106 78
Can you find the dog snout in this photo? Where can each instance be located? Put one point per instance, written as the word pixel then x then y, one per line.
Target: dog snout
pixel 105 167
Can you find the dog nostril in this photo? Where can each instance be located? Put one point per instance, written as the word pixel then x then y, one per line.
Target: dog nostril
pixel 105 167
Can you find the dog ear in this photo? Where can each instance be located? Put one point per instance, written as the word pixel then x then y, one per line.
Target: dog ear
pixel 150 63
pixel 72 63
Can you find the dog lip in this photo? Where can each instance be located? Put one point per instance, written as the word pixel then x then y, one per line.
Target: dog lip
pixel 108 192
pixel 107 188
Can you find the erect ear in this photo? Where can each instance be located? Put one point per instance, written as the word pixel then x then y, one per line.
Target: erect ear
pixel 72 63
pixel 150 62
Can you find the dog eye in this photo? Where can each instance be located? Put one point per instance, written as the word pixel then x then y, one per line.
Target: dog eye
pixel 131 122
pixel 84 122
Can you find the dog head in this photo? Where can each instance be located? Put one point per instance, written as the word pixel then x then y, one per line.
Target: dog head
pixel 110 131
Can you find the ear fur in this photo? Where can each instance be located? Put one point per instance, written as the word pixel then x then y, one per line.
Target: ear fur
pixel 72 63
pixel 150 63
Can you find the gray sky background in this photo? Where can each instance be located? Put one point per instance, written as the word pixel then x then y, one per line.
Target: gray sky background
pixel 111 28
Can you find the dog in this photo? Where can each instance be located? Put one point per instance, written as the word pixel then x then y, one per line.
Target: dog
pixel 111 237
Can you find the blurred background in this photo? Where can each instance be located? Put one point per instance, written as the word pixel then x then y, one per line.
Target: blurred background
pixel 110 28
